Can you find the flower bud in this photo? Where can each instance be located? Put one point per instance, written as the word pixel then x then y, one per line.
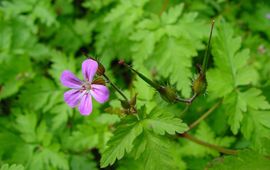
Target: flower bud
pixel 133 100
pixel 101 69
pixel 125 104
pixel 199 84
pixel 129 106
pixel 99 80
pixel 168 94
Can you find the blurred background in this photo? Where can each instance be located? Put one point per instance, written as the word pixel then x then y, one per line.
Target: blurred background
pixel 41 38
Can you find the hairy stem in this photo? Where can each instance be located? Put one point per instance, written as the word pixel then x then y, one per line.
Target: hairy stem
pixel 212 146
pixel 189 100
pixel 115 87
pixel 205 115
pixel 164 7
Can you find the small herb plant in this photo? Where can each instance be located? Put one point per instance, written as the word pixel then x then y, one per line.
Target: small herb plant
pixel 134 84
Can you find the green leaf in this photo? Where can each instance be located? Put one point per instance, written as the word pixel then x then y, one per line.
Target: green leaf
pixel 26 125
pixel 255 99
pixel 244 160
pixel 232 71
pixel 12 142
pixel 40 94
pixel 43 11
pixel 256 128
pixel 165 43
pixel 172 15
pixel 84 162
pixel 97 5
pixel 258 20
pixel 61 113
pixel 116 28
pixel 160 122
pixel 61 62
pixel 11 167
pixel 108 119
pixel 82 139
pixel 74 32
pixel 122 140
pixel 231 63
pixel 49 158
pixel 14 75
pixel 17 38
pixel 154 152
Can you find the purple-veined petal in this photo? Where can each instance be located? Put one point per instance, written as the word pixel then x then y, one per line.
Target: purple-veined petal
pixel 89 69
pixel 68 79
pixel 72 97
pixel 100 92
pixel 85 106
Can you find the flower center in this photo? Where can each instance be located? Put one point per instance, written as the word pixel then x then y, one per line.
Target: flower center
pixel 86 86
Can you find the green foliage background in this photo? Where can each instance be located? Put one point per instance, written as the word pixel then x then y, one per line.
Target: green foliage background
pixel 163 39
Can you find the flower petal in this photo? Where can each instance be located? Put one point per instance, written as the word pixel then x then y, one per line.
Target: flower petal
pixel 100 93
pixel 68 79
pixel 85 106
pixel 72 97
pixel 89 69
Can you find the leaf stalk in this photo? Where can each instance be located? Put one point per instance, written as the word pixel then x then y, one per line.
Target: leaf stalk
pixel 212 146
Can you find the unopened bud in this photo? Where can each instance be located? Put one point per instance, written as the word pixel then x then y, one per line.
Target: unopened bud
pixel 99 80
pixel 129 104
pixel 199 84
pixel 133 100
pixel 101 69
pixel 125 104
pixel 169 94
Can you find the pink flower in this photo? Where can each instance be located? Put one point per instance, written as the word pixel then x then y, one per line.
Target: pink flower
pixel 82 91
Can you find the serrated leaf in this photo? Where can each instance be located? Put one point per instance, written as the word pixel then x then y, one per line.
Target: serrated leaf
pixel 61 62
pixel 230 63
pixel 122 140
pixel 40 94
pixel 82 139
pixel 117 28
pixel 26 125
pixel 172 15
pixel 14 75
pixel 155 152
pixel 49 158
pixel 256 127
pixel 78 32
pixel 232 71
pixel 83 162
pixel 160 123
pixel 255 99
pixel 12 142
pixel 12 167
pixel 61 114
pixel 169 46
pixel 244 160
pixel 43 11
